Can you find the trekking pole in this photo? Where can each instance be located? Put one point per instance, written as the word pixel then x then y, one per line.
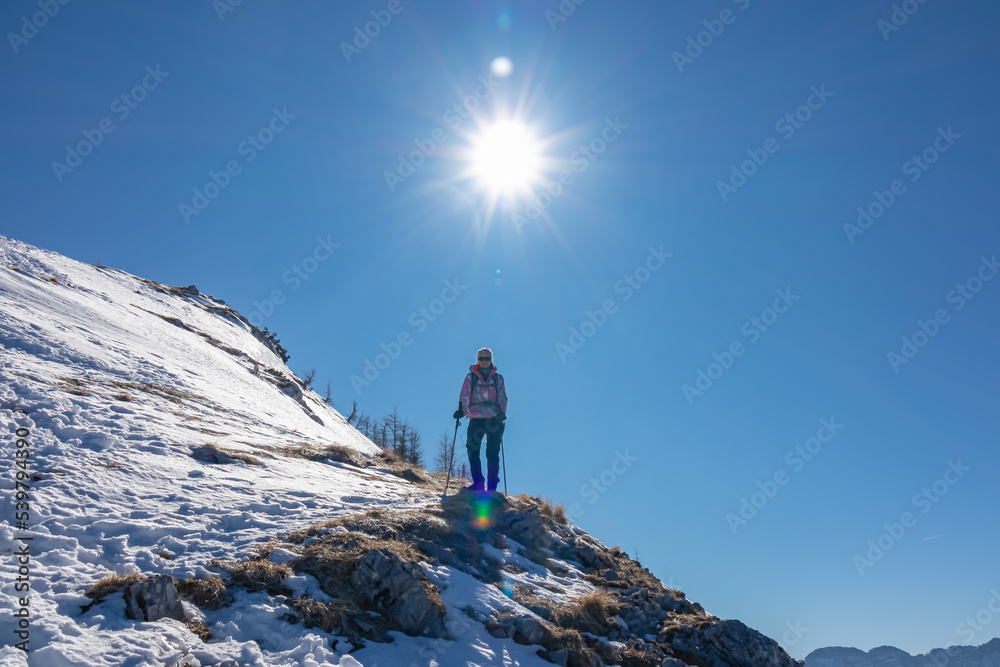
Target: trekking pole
pixel 504 459
pixel 451 459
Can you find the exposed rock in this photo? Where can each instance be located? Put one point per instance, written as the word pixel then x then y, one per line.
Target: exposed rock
pixel 589 554
pixel 529 631
pixel 409 475
pixel 208 454
pixel 525 630
pixel 291 388
pixel 525 527
pixel 726 643
pixel 384 580
pixel 153 599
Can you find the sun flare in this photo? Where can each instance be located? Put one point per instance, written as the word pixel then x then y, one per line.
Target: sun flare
pixel 505 158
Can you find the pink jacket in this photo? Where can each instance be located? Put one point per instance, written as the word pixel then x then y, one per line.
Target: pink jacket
pixel 490 396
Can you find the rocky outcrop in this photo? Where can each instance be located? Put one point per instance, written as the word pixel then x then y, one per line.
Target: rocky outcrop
pixel 629 619
pixel 398 588
pixel 724 644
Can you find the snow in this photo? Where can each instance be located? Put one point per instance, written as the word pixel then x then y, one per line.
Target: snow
pixel 118 491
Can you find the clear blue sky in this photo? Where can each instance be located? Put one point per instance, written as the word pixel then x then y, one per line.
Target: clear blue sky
pixel 216 77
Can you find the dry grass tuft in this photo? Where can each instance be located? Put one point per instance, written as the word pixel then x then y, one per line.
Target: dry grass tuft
pixel 633 657
pixel 398 466
pixel 124 396
pixel 572 642
pixel 112 464
pixel 390 456
pixel 338 453
pixel 53 279
pixel 342 454
pixel 256 575
pixel 73 386
pixel 592 613
pixel 675 622
pixel 341 618
pixel 263 551
pixel 303 451
pixel 596 610
pixel 164 392
pixel 191 418
pixel 200 629
pixel 335 558
pixel 112 583
pixel 552 512
pixel 327 616
pixel 240 456
pixel 207 592
pixel 544 607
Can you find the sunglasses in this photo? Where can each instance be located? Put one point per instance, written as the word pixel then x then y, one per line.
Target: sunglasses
pixel 485 358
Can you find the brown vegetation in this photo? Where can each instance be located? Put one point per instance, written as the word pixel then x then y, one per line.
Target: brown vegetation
pixel 338 453
pixel 256 575
pixel 206 592
pixel 155 389
pixel 112 583
pixel 200 630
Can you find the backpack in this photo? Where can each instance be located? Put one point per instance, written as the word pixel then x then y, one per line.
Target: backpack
pixel 494 381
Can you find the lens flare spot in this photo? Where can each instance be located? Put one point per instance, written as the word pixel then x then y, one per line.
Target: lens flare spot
pixel 483 517
pixel 501 67
pixel 508 586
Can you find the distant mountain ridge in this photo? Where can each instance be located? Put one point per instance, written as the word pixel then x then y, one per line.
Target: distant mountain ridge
pixel 986 655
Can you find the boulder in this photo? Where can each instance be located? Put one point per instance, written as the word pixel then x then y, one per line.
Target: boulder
pixel 153 599
pixel 208 454
pixel 529 631
pixel 525 630
pixel 589 555
pixel 400 590
pixel 526 528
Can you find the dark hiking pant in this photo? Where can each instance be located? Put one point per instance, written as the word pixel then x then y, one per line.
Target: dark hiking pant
pixel 492 428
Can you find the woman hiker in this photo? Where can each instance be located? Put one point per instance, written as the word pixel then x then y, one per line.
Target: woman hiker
pixel 484 402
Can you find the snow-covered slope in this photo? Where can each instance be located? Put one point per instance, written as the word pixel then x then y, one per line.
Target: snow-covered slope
pixel 118 385
pixel 117 378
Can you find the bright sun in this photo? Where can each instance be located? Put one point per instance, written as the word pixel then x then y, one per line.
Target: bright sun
pixel 505 158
